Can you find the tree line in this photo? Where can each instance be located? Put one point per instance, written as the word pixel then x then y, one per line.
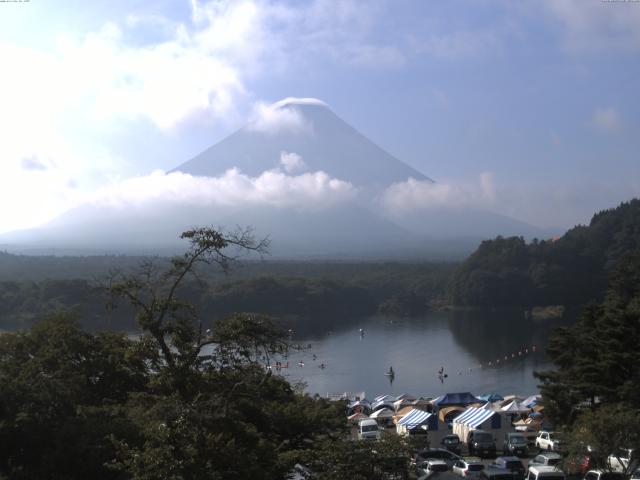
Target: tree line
pixel 391 289
pixel 570 270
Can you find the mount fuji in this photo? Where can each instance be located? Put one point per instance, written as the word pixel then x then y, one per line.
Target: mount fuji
pixel 295 172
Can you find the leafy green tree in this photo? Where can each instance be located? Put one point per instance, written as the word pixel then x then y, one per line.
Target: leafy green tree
pixel 61 397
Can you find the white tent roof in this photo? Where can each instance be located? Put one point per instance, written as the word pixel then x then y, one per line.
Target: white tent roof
pixel 474 416
pixel 383 413
pixel 414 419
pixel 514 407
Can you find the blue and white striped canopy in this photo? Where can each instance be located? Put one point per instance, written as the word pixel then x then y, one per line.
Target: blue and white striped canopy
pixel 474 416
pixel 414 419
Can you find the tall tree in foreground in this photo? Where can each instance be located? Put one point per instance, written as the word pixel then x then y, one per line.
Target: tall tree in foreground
pixel 594 394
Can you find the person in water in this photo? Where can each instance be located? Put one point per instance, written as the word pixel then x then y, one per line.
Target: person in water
pixel 391 372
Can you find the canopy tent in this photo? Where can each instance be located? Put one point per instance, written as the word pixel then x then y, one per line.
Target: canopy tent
pixel 384 416
pixel 406 396
pixel 382 413
pixel 402 413
pixel 515 408
pixel 403 401
pixel 443 413
pixel 356 417
pixel 480 419
pixel 359 406
pixel 380 404
pixel 508 399
pixel 387 398
pixel 532 400
pixel 491 397
pixel 459 399
pixel 415 418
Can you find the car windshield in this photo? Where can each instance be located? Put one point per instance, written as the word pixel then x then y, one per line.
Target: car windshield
pixel 439 467
pixel 483 437
pixel 475 467
pixel 553 461
pixel 451 441
pixel 514 464
pixel 518 440
pixel 369 428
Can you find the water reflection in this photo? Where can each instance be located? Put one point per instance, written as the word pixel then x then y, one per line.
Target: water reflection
pixel 440 352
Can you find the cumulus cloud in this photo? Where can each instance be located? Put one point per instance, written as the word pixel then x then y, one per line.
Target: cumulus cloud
pixel 413 195
pixel 292 162
pixel 313 191
pixel 606 119
pixel 276 118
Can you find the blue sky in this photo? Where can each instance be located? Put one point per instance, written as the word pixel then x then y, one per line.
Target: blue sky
pixel 538 98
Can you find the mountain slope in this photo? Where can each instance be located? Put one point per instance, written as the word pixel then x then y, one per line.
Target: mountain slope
pixel 312 131
pixel 297 173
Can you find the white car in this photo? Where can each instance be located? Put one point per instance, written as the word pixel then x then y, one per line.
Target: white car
pixel 551 459
pixel 428 468
pixel 619 461
pixel 547 441
pixel 368 430
pixel 468 467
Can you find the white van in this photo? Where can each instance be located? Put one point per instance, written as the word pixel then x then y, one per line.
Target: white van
pixel 545 472
pixel 368 429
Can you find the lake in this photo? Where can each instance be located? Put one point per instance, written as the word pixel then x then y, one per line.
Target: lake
pixel 460 342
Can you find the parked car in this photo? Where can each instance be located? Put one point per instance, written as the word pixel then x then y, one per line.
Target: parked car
pixel 548 459
pixel 492 473
pixel 547 441
pixel 437 454
pixel 545 472
pixel 452 443
pixel 619 461
pixel 429 467
pixel 469 467
pixel 515 444
pixel 481 443
pixel 636 474
pixel 513 464
pixel 603 475
pixel 368 429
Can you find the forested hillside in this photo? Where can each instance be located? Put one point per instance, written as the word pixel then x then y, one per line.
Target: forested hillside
pixel 297 293
pixel 571 270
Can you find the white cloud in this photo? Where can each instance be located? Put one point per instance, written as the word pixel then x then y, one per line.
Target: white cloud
pixel 606 119
pixel 406 197
pixel 277 118
pixel 273 188
pixel 292 162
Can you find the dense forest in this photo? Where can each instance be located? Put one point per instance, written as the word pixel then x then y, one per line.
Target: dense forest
pixel 296 294
pixel 570 270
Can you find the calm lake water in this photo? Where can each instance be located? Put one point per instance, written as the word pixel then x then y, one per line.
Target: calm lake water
pixel 417 348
